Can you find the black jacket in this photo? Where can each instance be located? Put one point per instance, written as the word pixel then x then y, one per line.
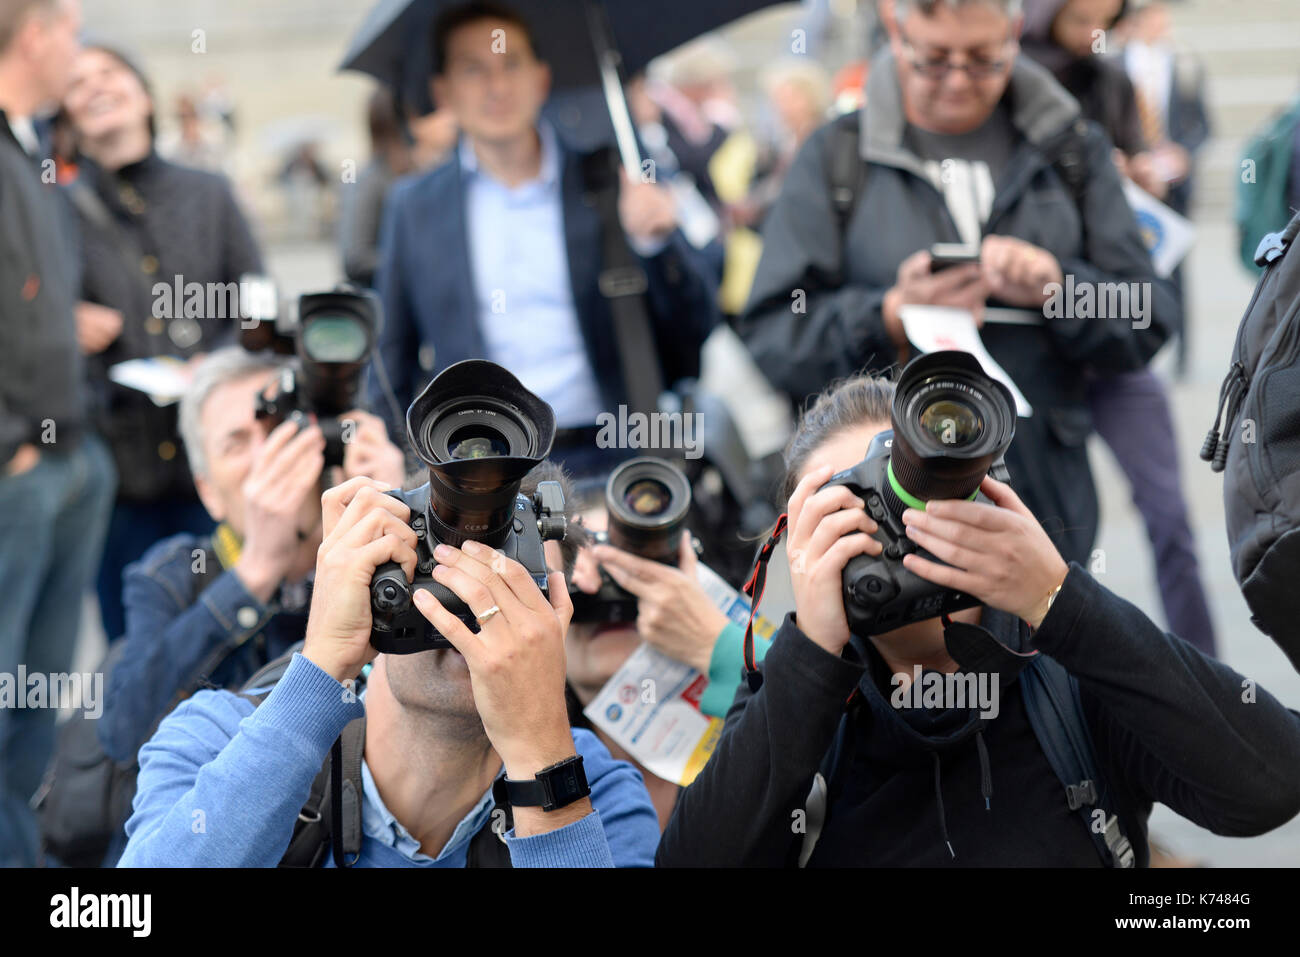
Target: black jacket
pixel 40 363
pixel 899 211
pixel 158 221
pixel 1169 724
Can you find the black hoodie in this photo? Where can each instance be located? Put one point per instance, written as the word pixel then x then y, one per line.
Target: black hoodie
pixel 948 788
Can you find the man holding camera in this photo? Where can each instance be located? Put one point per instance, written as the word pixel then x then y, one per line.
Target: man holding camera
pixel 499 252
pixel 213 611
pixel 963 141
pixel 222 782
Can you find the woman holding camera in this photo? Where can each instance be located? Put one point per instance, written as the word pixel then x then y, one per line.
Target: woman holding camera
pixel 831 762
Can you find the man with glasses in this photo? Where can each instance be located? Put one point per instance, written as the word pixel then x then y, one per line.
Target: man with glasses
pixel 963 141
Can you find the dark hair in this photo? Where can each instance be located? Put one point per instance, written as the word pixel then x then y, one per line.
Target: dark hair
pixel 130 65
pixel 843 405
pixel 465 14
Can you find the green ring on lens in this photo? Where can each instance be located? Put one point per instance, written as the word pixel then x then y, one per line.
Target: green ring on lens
pixel 906 497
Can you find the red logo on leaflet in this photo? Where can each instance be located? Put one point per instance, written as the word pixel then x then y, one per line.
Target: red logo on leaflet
pixel 627 694
pixel 695 691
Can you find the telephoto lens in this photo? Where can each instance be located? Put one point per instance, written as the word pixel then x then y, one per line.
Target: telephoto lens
pixel 479 432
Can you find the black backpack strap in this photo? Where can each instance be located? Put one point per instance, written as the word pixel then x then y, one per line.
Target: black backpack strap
pixel 333 807
pixel 1051 696
pixel 848 170
pixel 623 283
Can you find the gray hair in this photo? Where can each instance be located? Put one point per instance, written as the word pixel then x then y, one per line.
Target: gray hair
pixel 1011 8
pixel 219 368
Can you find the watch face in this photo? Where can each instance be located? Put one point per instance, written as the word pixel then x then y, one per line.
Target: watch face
pixel 565 783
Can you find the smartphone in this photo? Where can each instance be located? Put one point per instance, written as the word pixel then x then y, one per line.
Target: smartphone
pixel 946 255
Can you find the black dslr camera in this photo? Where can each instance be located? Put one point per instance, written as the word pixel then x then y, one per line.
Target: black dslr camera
pixel 951 426
pixel 332 339
pixel 647 500
pixel 480 432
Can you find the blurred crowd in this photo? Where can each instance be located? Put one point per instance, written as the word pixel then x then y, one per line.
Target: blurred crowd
pixel 974 158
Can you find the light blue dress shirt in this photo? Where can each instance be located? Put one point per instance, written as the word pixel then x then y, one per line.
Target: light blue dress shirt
pixel 521 280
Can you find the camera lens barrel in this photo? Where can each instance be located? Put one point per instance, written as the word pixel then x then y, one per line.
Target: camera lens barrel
pixel 951 422
pixel 480 432
pixel 648 500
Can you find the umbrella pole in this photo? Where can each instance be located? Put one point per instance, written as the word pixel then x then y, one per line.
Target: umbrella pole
pixel 611 81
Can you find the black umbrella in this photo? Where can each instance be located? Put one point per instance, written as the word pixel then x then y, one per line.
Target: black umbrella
pixel 585 42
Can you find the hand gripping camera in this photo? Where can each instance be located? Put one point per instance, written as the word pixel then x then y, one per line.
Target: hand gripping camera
pixel 480 432
pixel 332 338
pixel 648 500
pixel 951 426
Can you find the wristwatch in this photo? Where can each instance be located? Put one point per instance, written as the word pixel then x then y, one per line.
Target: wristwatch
pixel 553 788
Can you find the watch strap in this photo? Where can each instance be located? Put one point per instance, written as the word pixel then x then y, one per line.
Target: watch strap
pixel 554 787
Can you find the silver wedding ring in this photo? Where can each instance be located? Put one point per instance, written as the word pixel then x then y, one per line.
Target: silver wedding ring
pixel 483 618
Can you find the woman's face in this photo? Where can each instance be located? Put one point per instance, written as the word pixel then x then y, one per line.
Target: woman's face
pixel 106 97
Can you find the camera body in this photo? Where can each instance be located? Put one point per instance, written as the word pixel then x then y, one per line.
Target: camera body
pixel 332 338
pixel 479 432
pixel 879 593
pixel 397 625
pixel 952 425
pixel 648 500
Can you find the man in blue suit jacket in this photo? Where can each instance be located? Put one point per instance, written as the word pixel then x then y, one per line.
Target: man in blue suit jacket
pixel 497 253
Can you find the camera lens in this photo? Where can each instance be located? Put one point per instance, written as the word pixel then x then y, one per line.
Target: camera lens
pixel 951 422
pixel 648 500
pixel 648 497
pixel 477 442
pixel 480 432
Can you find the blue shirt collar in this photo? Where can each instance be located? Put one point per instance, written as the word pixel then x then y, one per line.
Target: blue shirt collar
pixel 379 824
pixel 549 173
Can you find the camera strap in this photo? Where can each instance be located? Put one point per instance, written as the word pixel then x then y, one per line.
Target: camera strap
pixel 754 590
pixel 623 284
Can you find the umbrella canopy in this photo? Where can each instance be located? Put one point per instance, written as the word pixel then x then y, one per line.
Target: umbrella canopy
pixel 393 45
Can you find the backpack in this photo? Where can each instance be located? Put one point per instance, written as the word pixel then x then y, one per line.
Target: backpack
pixel 329 824
pixel 1262 198
pixel 85 797
pixel 1255 442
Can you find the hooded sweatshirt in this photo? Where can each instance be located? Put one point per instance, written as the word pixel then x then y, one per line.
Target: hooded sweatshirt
pixel 945 787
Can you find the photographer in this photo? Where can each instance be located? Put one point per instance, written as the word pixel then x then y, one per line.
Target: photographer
pixel 441 725
pixel 990 152
pixel 943 786
pixel 213 611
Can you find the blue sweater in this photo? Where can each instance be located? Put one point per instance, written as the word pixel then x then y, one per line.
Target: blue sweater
pixel 221 784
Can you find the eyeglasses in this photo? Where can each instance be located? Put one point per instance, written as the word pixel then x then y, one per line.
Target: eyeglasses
pixel 937 65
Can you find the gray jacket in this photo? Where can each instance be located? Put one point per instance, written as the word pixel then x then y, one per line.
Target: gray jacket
pixel 899 211
pixel 40 362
